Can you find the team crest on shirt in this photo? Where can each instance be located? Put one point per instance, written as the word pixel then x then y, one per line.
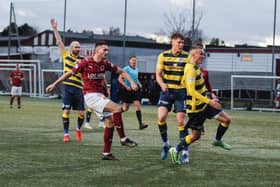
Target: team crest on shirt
pixel 102 68
pixel 182 59
pixel 191 79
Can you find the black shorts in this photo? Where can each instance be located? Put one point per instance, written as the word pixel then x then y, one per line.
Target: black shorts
pixel 73 98
pixel 173 97
pixel 196 120
pixel 129 96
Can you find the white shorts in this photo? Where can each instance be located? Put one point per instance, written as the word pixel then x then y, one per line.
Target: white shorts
pixel 16 90
pixel 97 102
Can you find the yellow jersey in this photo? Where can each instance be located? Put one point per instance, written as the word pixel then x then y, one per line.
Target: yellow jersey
pixel 173 68
pixel 69 61
pixel 196 89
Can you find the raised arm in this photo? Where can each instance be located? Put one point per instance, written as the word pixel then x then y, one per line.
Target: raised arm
pixel 57 35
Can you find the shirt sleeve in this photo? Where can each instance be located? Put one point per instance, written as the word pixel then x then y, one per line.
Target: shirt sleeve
pixel 190 80
pixel 110 66
pixel 79 67
pixel 160 64
pixel 125 69
pixel 206 79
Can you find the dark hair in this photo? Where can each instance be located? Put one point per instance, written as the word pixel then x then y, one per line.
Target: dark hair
pixel 100 43
pixel 131 56
pixel 177 35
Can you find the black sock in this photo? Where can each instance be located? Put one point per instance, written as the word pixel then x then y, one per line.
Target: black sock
pixel 65 125
pixel 184 133
pixel 88 115
pixel 163 132
pixel 220 132
pixel 139 116
pixel 80 122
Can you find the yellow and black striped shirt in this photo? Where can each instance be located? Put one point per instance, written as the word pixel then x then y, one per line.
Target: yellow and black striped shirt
pixel 69 61
pixel 173 68
pixel 196 89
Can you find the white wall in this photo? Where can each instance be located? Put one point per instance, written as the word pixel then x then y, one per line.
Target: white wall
pixel 231 62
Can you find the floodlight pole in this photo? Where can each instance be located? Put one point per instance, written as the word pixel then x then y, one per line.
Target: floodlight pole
pixel 193 22
pixel 273 93
pixel 124 31
pixel 64 18
pixel 273 43
pixel 10 25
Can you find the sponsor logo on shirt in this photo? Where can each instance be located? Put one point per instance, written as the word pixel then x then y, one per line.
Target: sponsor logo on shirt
pixel 96 76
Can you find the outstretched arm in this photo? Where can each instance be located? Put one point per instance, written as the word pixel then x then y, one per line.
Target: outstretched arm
pixel 57 35
pixel 121 81
pixel 190 79
pixel 127 77
pixel 52 86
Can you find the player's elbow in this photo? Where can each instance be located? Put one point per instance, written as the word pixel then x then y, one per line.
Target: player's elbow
pixel 191 92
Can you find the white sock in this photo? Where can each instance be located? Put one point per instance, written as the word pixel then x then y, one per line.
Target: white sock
pixel 166 144
pixel 185 152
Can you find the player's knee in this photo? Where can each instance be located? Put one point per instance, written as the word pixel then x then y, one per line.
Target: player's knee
pixel 180 122
pixel 195 137
pixel 162 118
pixel 108 122
pixel 227 121
pixel 125 108
pixel 117 109
pixel 81 113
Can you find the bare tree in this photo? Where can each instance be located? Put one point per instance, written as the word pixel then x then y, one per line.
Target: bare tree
pixel 181 21
pixel 23 30
pixel 113 31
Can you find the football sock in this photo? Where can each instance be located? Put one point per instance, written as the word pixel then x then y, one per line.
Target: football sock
pixel 183 132
pixel 108 138
pixel 163 131
pixel 139 116
pixel 118 123
pixel 65 120
pixel 80 122
pixel 185 150
pixel 221 131
pixel 184 143
pixel 18 100
pixel 11 100
pixel 88 115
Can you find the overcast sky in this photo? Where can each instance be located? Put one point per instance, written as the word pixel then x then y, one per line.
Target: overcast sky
pixel 234 21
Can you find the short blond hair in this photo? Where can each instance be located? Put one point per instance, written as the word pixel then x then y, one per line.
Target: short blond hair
pixel 74 43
